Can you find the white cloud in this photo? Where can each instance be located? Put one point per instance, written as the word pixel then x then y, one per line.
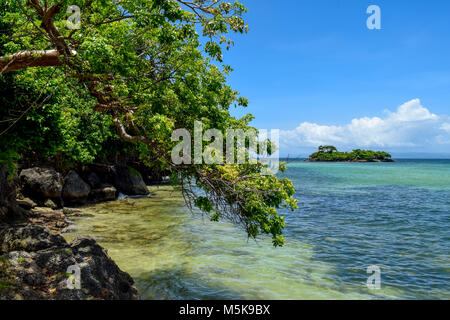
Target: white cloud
pixel 446 126
pixel 411 126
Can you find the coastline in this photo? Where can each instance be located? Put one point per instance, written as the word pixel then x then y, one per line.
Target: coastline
pixel 34 255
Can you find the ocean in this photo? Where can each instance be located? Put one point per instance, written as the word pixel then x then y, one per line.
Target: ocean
pixel 394 217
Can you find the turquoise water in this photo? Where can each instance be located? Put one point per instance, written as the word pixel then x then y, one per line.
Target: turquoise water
pixel 350 216
pixel 394 215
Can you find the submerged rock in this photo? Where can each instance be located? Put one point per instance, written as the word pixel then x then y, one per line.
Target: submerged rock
pixel 37 265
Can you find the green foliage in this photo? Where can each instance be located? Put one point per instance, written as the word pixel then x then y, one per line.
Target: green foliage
pixel 158 66
pixel 63 126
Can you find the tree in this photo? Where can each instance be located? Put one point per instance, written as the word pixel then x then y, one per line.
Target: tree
pixel 145 67
pixel 327 149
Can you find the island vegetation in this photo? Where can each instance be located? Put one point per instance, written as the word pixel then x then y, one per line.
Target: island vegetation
pixel 331 154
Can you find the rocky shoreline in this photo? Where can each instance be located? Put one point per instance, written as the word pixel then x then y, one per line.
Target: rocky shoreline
pixel 35 260
pixel 35 264
pixel 49 188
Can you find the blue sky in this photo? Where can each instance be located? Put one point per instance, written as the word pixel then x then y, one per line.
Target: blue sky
pixel 316 62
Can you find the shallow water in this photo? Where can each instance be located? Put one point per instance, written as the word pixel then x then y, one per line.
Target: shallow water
pixel 351 216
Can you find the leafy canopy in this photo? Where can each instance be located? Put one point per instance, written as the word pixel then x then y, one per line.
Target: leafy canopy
pixel 146 67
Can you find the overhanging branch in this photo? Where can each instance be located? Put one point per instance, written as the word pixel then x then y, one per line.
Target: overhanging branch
pixel 32 58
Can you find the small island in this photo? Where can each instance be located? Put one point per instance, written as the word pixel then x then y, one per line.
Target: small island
pixel 331 154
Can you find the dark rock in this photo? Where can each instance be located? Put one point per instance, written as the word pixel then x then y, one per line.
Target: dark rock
pixel 41 183
pixel 125 179
pixel 28 238
pixel 75 189
pixel 129 181
pixel 105 174
pixel 8 187
pixel 94 180
pixel 99 274
pixel 42 273
pixel 9 210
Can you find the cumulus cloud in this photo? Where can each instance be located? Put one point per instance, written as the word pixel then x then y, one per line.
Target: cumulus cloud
pixel 411 126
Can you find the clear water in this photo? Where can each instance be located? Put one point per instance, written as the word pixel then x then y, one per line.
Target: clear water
pixel 351 216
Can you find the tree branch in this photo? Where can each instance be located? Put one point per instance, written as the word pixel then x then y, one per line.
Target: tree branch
pixel 32 58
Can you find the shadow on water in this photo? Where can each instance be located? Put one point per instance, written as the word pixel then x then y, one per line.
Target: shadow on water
pixel 180 284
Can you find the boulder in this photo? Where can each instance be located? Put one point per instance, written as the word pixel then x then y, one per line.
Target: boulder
pixel 93 179
pixel 129 181
pixel 98 174
pixel 75 189
pixel 40 270
pixel 28 238
pixel 41 183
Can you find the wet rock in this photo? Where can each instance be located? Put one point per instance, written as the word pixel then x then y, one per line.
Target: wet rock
pixel 41 183
pixel 75 189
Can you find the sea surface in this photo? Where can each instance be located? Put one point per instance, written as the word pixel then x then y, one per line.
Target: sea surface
pixel 395 216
